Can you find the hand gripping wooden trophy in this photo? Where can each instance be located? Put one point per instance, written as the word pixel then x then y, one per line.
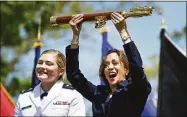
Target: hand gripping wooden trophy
pixel 100 18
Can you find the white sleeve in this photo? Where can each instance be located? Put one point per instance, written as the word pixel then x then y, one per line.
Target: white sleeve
pixel 17 109
pixel 77 106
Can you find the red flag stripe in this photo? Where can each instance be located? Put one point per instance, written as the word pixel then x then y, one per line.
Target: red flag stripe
pixel 7 104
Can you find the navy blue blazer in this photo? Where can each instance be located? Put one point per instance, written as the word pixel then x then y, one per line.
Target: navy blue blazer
pixel 128 99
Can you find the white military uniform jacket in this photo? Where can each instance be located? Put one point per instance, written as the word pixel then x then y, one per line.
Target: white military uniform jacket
pixel 61 100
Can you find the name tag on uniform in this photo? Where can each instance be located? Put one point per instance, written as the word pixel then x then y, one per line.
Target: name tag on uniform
pixel 61 103
pixel 26 107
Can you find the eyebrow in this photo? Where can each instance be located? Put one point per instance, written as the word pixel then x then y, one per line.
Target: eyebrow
pixel 49 61
pixel 113 60
pixel 45 61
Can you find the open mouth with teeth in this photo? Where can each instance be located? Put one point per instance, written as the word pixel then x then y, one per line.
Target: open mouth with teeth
pixel 112 75
pixel 43 73
pixel 40 72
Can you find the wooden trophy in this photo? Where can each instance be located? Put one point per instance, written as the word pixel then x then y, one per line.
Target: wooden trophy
pixel 101 17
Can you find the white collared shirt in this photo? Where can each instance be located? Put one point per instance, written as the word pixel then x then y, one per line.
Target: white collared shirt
pixel 58 102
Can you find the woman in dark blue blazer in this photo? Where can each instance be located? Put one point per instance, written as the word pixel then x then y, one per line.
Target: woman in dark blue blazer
pixel 127 87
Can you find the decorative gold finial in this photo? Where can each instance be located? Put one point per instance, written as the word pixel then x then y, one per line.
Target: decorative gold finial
pixel 162 21
pixel 38 42
pixel 160 11
pixel 103 29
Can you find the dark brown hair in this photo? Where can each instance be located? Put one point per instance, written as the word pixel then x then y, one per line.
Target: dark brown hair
pixel 122 58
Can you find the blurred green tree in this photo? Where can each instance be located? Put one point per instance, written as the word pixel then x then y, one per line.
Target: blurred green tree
pixel 19 26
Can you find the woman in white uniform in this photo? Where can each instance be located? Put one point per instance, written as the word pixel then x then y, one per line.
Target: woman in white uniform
pixel 51 97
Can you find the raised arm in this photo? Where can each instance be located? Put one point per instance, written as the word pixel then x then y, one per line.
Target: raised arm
pixel 129 46
pixel 136 72
pixel 136 83
pixel 74 74
pixel 76 25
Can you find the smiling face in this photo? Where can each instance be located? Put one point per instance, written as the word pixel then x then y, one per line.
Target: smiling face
pixel 47 69
pixel 114 68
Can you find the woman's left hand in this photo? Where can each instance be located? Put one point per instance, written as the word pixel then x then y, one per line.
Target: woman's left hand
pixel 119 21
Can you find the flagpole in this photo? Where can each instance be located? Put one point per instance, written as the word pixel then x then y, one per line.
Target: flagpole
pixel 162 21
pixel 105 44
pixel 102 30
pixel 37 45
pixel 38 42
pixel 160 85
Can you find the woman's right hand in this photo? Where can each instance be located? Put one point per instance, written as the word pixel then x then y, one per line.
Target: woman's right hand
pixel 76 24
pixel 119 22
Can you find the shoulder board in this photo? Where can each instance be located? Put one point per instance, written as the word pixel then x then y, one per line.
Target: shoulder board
pixel 27 90
pixel 67 86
